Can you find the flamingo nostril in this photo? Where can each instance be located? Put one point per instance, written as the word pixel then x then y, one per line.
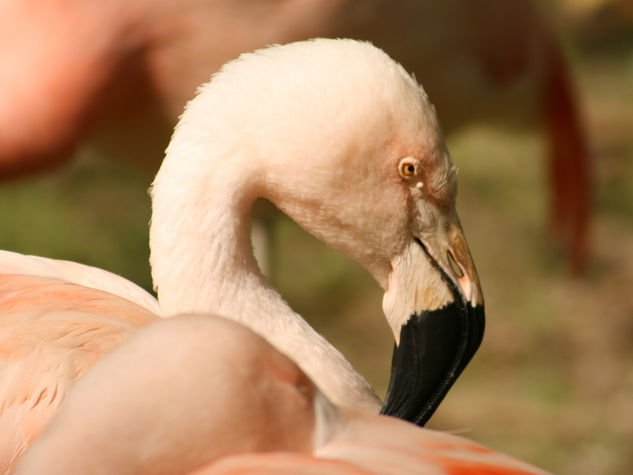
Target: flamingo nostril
pixel 455 266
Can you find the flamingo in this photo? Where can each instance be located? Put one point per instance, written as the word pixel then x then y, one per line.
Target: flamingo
pixel 201 394
pixel 140 61
pixel 342 139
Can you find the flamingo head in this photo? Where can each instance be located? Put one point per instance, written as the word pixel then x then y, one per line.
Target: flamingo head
pixel 347 143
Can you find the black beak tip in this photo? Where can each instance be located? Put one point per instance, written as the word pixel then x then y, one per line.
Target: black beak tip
pixel 435 347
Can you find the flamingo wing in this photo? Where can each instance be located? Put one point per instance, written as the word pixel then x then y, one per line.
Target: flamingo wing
pixel 51 332
pixel 370 444
pixel 222 400
pixel 88 276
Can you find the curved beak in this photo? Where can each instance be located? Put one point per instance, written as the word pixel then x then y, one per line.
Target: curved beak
pixel 435 307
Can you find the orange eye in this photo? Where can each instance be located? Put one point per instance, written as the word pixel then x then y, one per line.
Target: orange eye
pixel 408 167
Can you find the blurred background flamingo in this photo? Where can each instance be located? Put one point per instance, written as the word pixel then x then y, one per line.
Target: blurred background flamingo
pixel 558 350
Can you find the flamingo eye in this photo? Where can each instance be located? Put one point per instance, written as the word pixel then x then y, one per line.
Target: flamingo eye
pixel 408 167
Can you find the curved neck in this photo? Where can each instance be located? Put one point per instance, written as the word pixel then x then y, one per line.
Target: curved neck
pixel 202 261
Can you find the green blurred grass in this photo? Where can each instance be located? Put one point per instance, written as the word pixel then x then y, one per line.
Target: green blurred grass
pixel 553 382
pixel 92 211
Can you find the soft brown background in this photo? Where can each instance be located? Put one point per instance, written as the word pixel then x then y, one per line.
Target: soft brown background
pixel 553 381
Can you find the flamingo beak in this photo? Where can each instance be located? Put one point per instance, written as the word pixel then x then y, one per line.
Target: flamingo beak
pixel 443 322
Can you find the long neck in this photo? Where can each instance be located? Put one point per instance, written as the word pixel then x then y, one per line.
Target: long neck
pixel 202 261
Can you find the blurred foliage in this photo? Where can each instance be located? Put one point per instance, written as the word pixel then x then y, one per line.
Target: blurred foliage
pixel 93 211
pixel 553 382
